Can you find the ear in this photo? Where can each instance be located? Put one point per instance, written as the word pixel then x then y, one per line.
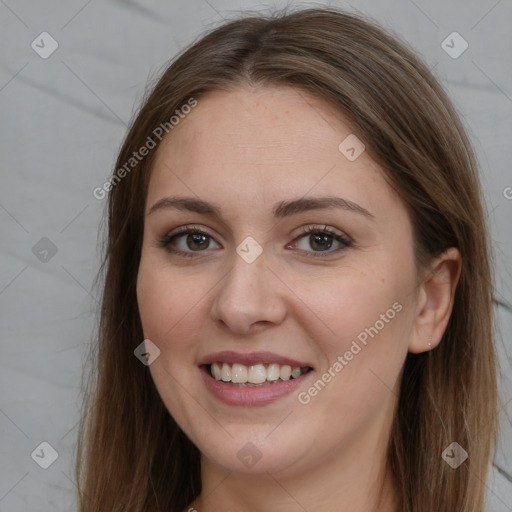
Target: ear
pixel 435 301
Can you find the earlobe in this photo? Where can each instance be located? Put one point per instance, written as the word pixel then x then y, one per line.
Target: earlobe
pixel 435 304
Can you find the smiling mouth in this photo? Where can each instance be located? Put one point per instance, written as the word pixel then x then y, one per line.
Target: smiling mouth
pixel 257 375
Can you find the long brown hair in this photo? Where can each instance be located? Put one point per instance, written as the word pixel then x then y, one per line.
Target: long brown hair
pixel 131 455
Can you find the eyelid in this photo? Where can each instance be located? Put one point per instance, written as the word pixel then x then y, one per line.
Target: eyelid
pixel 324 228
pixel 190 228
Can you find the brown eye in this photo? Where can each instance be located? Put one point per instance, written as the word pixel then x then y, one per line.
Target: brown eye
pixel 321 240
pixel 188 241
pixel 197 241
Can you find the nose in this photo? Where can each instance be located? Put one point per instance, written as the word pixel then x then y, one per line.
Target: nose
pixel 249 298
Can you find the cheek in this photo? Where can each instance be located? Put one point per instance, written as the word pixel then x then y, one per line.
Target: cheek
pixel 171 311
pixel 341 309
pixel 171 304
pixel 152 298
pixel 362 325
pixel 158 308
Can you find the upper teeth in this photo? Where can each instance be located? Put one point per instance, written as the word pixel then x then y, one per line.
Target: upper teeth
pixel 255 374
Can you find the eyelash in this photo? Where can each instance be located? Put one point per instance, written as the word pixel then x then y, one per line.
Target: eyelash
pixel 344 240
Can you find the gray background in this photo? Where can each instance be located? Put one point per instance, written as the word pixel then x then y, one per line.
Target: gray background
pixel 62 121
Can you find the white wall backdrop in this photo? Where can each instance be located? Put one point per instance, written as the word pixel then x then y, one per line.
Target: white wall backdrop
pixel 63 116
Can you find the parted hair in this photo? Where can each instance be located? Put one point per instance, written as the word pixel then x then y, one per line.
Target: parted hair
pixel 131 455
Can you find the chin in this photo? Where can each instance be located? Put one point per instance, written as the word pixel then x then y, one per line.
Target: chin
pixel 257 453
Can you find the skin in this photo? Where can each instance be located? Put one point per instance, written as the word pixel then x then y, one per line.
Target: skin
pixel 246 150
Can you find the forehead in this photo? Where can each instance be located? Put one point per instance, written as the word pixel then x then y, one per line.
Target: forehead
pixel 263 142
pixel 256 124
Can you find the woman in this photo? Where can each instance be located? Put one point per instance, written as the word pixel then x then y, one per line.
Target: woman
pixel 297 254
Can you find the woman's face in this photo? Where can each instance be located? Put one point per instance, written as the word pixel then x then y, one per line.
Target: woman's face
pixel 298 259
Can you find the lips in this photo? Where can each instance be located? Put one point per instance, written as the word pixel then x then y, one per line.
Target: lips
pixel 252 379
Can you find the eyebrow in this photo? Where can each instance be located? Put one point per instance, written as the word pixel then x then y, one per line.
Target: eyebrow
pixel 280 210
